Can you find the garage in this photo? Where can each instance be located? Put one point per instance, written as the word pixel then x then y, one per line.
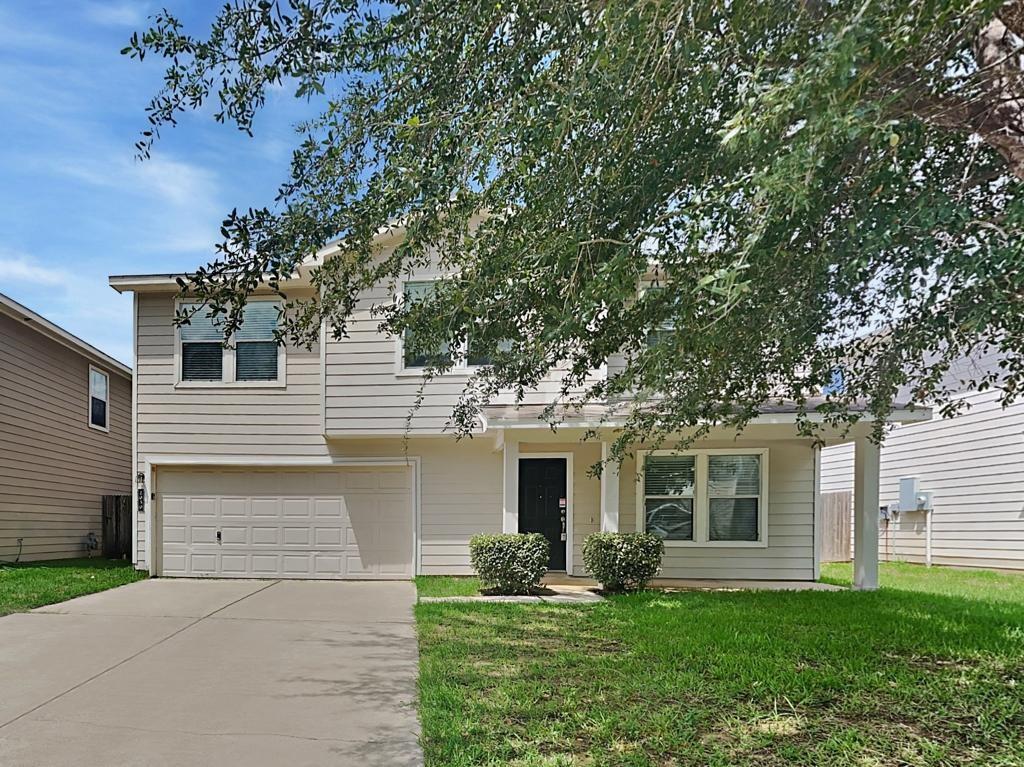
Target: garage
pixel 342 522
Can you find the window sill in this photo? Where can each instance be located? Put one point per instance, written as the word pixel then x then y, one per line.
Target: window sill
pixel 230 385
pixel 418 373
pixel 104 429
pixel 716 544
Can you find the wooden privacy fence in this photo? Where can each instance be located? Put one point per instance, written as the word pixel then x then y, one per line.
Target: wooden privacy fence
pixel 117 526
pixel 836 513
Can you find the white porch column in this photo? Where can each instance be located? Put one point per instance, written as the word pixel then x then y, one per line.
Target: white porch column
pixel 865 514
pixel 609 492
pixel 510 486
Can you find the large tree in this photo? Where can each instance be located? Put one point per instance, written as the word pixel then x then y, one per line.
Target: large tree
pixel 818 186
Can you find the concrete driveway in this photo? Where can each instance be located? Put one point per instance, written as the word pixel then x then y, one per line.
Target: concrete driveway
pixel 206 672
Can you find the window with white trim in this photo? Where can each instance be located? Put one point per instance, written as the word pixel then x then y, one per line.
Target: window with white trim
pixel 713 497
pixel 99 399
pixel 252 356
pixel 415 291
pixel 471 355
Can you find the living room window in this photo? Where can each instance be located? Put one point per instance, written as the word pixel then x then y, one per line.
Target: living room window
pixel 704 497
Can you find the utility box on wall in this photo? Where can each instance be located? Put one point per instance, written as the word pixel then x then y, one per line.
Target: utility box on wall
pixel 911 497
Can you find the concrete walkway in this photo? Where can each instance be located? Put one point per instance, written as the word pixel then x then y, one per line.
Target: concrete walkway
pixel 197 672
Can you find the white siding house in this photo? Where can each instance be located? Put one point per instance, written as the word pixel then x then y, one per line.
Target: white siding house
pixel 972 464
pixel 282 462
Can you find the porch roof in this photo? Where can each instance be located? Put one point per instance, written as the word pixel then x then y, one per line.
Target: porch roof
pixel 613 415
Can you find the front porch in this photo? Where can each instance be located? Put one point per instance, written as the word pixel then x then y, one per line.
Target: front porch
pixel 779 550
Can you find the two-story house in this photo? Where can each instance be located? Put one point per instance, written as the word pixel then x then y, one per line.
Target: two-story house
pixel 65 441
pixel 258 460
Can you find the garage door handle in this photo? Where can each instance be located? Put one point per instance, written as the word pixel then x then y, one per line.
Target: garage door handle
pixel 218 536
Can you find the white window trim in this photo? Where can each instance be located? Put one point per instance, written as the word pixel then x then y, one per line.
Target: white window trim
pixel 228 372
pixel 88 400
pixel 460 368
pixel 701 504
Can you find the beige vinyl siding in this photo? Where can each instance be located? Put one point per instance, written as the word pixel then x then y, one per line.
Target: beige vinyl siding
pixel 54 469
pixel 790 551
pixel 230 420
pixel 973 464
pixel 460 494
pixel 368 392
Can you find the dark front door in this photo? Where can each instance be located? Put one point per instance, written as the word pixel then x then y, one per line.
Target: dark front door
pixel 543 503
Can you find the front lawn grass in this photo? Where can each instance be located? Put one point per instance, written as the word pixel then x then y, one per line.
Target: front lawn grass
pixel 927 671
pixel 34 584
pixel 447 586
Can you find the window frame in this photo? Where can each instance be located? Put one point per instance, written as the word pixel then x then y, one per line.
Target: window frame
pixel 88 400
pixel 647 285
pixel 702 496
pixel 228 380
pixel 460 356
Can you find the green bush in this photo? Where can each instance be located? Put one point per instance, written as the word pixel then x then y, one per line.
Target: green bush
pixel 510 564
pixel 623 561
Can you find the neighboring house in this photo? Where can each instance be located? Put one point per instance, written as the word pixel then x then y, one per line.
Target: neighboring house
pixel 972 464
pixel 267 461
pixel 66 438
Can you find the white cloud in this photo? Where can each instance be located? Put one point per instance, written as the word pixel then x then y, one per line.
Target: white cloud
pixel 180 207
pixel 18 267
pixel 118 14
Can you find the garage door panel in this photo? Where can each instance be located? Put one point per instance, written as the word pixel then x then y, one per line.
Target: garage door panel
pixel 266 536
pixel 203 507
pixel 269 508
pixel 295 507
pixel 339 523
pixel 235 535
pixel 234 508
pixel 329 508
pixel 327 536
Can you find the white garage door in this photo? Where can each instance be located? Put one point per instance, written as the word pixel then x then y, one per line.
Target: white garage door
pixel 352 522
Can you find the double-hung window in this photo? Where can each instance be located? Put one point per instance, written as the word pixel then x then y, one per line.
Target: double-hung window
pixel 253 355
pixel 413 358
pixel 664 331
pixel 202 346
pixel 704 497
pixel 256 347
pixel 99 399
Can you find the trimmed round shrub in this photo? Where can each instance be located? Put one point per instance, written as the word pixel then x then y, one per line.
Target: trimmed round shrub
pixel 510 564
pixel 623 561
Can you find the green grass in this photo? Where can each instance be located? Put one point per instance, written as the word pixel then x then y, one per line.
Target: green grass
pixel 927 671
pixel 34 584
pixel 446 586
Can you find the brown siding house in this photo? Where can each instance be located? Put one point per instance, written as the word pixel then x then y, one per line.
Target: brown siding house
pixel 65 439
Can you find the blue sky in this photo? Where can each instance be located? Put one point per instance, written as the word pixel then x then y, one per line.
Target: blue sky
pixel 75 205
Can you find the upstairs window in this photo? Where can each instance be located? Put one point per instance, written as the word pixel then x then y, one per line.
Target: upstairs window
pixel 255 346
pixel 468 355
pixel 202 347
pixel 253 355
pixel 99 399
pixel 663 333
pixel 710 497
pixel 415 292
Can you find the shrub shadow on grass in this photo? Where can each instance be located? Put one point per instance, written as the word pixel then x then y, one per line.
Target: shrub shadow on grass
pixel 895 676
